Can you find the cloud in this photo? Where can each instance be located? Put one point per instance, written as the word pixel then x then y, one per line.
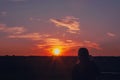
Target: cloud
pixel 2 26
pixel 18 0
pixel 69 40
pixel 34 19
pixel 58 42
pixel 71 23
pixel 33 36
pixel 111 34
pixel 93 45
pixel 3 13
pixel 20 33
pixel 53 41
pixel 67 44
pixel 13 30
pixel 50 43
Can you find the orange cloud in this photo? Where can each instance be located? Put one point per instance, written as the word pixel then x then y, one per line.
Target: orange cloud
pixel 67 44
pixel 111 34
pixel 51 43
pixel 68 47
pixel 71 23
pixel 69 40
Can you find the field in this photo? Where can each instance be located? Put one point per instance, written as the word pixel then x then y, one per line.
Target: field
pixel 52 68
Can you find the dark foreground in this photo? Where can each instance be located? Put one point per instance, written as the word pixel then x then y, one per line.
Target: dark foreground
pixel 52 68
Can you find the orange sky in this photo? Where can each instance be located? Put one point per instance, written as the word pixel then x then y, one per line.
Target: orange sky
pixel 36 27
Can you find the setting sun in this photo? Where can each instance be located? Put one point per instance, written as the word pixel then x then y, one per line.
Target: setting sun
pixel 56 51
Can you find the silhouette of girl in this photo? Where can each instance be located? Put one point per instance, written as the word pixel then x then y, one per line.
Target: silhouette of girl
pixel 86 69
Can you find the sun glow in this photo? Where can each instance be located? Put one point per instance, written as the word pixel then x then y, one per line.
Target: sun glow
pixel 56 51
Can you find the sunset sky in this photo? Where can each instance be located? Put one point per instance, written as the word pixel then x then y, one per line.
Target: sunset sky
pixel 36 27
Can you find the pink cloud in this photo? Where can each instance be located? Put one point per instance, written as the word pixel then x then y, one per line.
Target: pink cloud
pixel 111 34
pixel 2 27
pixel 13 30
pixel 33 36
pixel 18 33
pixel 18 0
pixel 93 45
pixel 71 23
pixel 34 19
pixel 3 13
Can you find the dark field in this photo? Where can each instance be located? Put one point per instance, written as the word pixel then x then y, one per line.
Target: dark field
pixel 52 68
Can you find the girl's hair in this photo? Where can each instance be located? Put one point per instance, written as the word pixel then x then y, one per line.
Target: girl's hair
pixel 83 52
